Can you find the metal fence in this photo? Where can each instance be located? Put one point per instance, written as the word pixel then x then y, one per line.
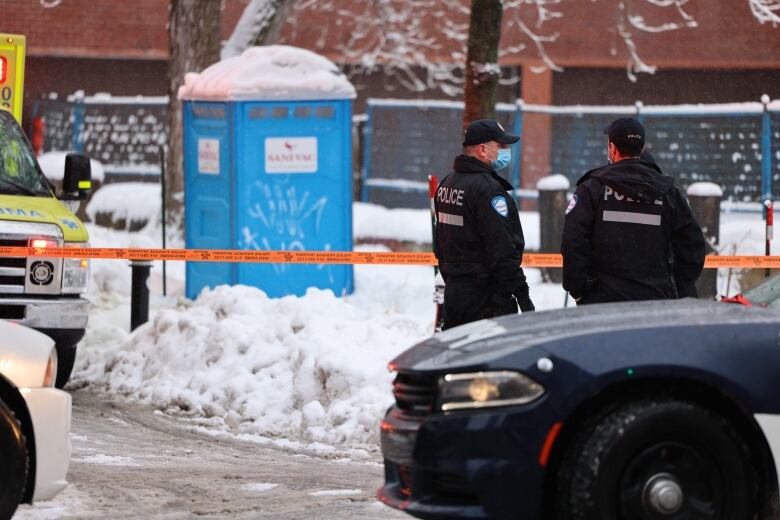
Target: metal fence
pixel 734 145
pixel 404 142
pixel 123 133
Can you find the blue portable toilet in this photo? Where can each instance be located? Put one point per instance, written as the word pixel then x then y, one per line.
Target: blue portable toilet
pixel 268 166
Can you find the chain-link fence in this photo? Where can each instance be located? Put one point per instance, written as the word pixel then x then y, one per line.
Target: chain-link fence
pixel 123 133
pixel 405 142
pixel 734 145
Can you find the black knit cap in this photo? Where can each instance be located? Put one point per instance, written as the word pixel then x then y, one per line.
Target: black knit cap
pixel 627 134
pixel 484 130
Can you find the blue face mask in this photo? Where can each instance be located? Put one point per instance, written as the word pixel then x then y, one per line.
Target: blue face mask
pixel 503 159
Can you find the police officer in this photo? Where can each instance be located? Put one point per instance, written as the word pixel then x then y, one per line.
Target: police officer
pixel 629 232
pixel 479 239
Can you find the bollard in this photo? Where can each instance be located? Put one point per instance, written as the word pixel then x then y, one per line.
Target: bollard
pixel 705 200
pixel 552 212
pixel 139 295
pixel 770 226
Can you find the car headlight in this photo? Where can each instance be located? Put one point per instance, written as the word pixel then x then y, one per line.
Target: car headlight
pixel 486 389
pixel 75 272
pixel 50 376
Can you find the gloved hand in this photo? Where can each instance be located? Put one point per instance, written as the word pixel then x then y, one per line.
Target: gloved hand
pixel 526 305
pixel 502 303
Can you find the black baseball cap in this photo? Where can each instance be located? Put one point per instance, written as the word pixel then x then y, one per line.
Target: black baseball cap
pixel 484 130
pixel 627 134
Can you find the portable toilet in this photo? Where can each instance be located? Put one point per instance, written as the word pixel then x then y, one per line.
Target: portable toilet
pixel 268 166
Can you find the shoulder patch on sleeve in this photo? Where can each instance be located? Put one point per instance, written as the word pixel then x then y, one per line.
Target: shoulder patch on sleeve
pixel 572 204
pixel 499 204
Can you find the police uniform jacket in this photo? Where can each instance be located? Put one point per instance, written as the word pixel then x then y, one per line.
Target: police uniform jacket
pixel 479 242
pixel 630 234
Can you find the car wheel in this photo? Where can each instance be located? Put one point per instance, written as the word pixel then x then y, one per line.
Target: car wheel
pixel 656 459
pixel 13 461
pixel 66 358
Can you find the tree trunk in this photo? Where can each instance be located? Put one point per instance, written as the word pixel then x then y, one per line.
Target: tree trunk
pixel 482 71
pixel 193 29
pixel 260 24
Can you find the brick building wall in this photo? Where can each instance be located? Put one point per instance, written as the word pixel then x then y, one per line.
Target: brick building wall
pixel 727 36
pixel 121 47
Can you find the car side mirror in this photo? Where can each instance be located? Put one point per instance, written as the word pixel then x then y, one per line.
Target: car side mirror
pixel 77 182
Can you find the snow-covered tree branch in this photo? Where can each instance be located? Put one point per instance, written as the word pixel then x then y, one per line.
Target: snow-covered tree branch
pixel 394 36
pixel 259 25
pixel 391 35
pixel 766 11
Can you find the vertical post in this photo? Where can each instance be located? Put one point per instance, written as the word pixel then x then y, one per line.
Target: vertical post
pixel 639 116
pixel 35 109
pixel 367 129
pixel 705 198
pixel 358 122
pixel 438 284
pixel 770 218
pixel 766 151
pixel 552 212
pixel 139 293
pixel 78 126
pixel 518 151
pixel 162 191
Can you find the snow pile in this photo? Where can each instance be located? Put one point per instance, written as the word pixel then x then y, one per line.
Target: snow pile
pixel 130 202
pixel 274 72
pixel 310 368
pixel 414 225
pixel 53 166
pixel 744 234
pixel 374 221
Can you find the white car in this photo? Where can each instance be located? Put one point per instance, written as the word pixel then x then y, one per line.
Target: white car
pixel 34 419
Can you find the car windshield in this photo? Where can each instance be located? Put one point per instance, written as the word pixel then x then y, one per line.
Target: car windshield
pixel 765 294
pixel 19 174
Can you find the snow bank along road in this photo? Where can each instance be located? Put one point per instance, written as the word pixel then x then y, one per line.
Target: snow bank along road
pixel 130 462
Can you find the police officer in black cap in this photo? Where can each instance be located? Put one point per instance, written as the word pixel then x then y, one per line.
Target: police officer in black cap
pixel 629 232
pixel 479 239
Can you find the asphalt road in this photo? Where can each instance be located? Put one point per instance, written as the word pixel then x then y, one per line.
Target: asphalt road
pixel 130 462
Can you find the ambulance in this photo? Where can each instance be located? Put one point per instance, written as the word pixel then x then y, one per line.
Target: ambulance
pixel 43 293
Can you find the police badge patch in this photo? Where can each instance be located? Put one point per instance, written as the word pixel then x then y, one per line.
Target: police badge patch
pixel 571 204
pixel 499 204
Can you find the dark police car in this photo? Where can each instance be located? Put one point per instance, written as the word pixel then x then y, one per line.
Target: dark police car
pixel 645 410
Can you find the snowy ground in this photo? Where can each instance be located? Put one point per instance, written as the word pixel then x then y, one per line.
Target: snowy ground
pixel 129 462
pixel 296 371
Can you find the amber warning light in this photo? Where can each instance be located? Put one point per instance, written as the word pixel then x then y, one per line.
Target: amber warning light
pixel 3 69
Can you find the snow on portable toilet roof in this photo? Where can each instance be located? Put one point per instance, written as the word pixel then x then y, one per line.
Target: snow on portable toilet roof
pixel 273 72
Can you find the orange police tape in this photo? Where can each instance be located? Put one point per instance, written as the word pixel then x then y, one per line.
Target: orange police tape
pixel 324 257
